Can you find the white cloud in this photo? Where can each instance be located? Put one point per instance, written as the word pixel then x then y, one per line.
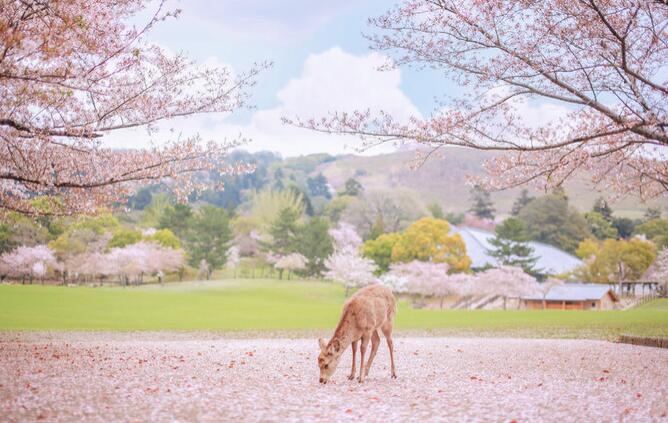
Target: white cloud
pixel 333 80
pixel 330 81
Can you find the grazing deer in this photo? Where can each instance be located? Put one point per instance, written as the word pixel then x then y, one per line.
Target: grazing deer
pixel 370 309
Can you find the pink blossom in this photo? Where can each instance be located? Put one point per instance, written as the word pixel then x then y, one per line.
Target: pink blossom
pixel 232 257
pixel 560 87
pixel 294 261
pixel 352 270
pixel 74 71
pixel 27 261
pixel 423 278
pixel 346 239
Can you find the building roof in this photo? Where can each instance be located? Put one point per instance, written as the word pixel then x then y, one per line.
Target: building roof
pixel 551 260
pixel 576 292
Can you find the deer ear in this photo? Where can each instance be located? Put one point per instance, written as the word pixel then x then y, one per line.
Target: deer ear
pixel 336 344
pixel 322 343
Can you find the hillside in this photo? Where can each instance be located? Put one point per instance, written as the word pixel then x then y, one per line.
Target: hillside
pixel 442 179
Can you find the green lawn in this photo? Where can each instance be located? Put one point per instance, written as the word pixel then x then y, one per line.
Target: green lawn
pixel 264 305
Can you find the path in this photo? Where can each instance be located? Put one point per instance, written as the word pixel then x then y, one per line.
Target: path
pixel 104 378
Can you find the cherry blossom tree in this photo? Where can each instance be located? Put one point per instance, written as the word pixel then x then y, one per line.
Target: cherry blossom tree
pixel 134 261
pixel 397 283
pixel 424 278
pixel 462 284
pixel 346 265
pixel 26 261
pixel 233 259
pixel 506 281
pixel 346 239
pixel 352 270
pixel 74 71
pixel 598 67
pixel 204 270
pixel 290 262
pixel 658 271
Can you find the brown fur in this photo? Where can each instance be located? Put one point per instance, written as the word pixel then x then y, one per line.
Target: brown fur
pixel 369 310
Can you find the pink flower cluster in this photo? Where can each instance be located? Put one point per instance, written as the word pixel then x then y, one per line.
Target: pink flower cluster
pixel 432 279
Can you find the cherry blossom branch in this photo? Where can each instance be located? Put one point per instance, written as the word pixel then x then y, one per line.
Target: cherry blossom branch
pixel 603 63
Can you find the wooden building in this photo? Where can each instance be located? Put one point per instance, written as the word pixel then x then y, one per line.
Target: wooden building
pixel 574 296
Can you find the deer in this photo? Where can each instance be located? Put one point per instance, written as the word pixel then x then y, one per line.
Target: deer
pixel 368 311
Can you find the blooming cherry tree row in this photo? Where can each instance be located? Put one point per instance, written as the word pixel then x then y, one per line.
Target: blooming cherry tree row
pixel 291 262
pixel 27 262
pixel 428 279
pixel 129 262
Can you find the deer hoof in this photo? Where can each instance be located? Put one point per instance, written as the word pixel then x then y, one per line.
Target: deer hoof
pixel 351 377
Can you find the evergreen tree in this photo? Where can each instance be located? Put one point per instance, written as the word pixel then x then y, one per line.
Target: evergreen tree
pixel 521 202
pixel 317 186
pixel 599 226
pixel 481 203
pixel 601 207
pixel 454 218
pixel 315 243
pixel 511 246
pixel 284 232
pixel 208 236
pixel 436 210
pixel 176 219
pixel 551 220
pixel 308 206
pixel 278 179
pixel 352 187
pixel 624 226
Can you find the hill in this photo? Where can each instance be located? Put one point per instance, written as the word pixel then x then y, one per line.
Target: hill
pixel 442 179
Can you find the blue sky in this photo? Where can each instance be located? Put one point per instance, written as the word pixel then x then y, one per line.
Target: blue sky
pixel 286 32
pixel 322 63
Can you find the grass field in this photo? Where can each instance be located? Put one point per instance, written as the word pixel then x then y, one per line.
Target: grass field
pixel 266 305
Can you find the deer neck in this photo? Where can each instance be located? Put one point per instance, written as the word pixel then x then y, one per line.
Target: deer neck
pixel 345 338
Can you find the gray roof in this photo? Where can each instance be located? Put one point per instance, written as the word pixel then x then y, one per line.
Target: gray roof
pixel 551 260
pixel 575 292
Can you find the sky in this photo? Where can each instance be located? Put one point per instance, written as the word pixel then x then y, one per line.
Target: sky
pixel 321 63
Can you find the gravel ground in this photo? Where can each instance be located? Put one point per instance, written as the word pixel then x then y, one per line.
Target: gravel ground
pixel 100 378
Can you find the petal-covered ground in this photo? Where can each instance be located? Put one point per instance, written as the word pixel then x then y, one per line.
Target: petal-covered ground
pixel 104 377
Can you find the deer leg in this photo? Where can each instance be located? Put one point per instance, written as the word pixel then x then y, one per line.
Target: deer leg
pixel 387 331
pixel 363 344
pixel 353 369
pixel 375 341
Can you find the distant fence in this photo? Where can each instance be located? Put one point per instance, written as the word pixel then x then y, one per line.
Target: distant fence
pixel 644 341
pixel 636 288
